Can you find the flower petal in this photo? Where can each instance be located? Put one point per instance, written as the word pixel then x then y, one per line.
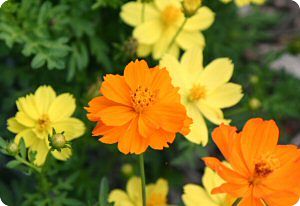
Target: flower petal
pixel 116 115
pixel 187 40
pixel 62 107
pixel 28 106
pixel 64 154
pixel 196 195
pixel 192 59
pixel 14 126
pixel 215 115
pixel 42 150
pixel 119 197
pixel 148 32
pixel 24 119
pixel 72 128
pixel 134 189
pixel 225 96
pixel 143 50
pixel 44 96
pixel 162 44
pixel 202 20
pixel 28 136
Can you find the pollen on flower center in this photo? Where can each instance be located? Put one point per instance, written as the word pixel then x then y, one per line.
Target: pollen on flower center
pixel 197 92
pixel 142 97
pixel 171 14
pixel 265 166
pixel 43 123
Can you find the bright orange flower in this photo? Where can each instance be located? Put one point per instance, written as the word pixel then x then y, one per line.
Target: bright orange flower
pixel 262 171
pixel 137 110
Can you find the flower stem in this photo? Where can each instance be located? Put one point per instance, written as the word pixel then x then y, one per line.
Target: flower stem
pixel 20 159
pixel 142 171
pixel 236 202
pixel 177 33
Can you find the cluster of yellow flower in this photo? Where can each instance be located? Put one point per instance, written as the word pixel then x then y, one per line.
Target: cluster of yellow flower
pixel 146 107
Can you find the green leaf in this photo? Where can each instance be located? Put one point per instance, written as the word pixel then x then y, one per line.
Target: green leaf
pixel 32 155
pixel 13 164
pixel 22 148
pixel 38 61
pixel 3 143
pixel 103 194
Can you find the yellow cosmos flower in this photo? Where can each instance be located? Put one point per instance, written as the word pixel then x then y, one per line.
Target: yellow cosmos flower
pixel 241 3
pixel 156 194
pixel 195 195
pixel 157 23
pixel 204 91
pixel 38 114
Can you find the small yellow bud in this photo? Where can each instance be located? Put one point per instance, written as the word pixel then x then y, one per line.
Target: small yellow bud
pixel 190 7
pixel 254 79
pixel 58 140
pixel 127 169
pixel 12 148
pixel 254 103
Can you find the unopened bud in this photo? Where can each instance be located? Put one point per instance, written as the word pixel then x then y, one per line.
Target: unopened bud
pixel 12 148
pixel 59 140
pixel 254 103
pixel 127 169
pixel 190 7
pixel 254 79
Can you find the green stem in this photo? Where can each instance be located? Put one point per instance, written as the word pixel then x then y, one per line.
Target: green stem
pixel 236 202
pixel 177 33
pixel 142 171
pixel 35 168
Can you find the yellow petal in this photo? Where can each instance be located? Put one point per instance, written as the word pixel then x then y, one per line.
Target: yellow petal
pixel 210 181
pixel 177 73
pixel 131 13
pixel 187 40
pixel 134 189
pixel 119 198
pixel 225 1
pixel 259 2
pixel 192 60
pixel 62 107
pixel 174 51
pixel 42 150
pixel 202 20
pixel 28 106
pixel 195 195
pixel 162 46
pixel 72 128
pixel 198 129
pixel 225 96
pixel 14 126
pixel 144 50
pixel 148 32
pixel 217 73
pixel 162 4
pixel 160 188
pixel 64 154
pixel 241 3
pixel 44 96
pixel 28 136
pixel 24 119
pixel 215 115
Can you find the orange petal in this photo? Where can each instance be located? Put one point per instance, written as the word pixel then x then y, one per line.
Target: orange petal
pixel 225 173
pixel 186 126
pixel 160 139
pixel 116 115
pixel 137 73
pixel 258 137
pixel 235 190
pixel 251 201
pixel 281 199
pixel 97 104
pixel 144 126
pixel 115 88
pixel 228 142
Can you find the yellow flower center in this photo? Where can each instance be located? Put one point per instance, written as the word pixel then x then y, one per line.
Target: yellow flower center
pixel 264 167
pixel 171 14
pixel 196 93
pixel 43 123
pixel 157 199
pixel 142 97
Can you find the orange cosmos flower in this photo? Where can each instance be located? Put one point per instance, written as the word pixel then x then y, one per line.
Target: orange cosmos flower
pixel 262 171
pixel 137 110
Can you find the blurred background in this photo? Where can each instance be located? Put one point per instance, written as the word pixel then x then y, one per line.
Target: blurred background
pixel 71 44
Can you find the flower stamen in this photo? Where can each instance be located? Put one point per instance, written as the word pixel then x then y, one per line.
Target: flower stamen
pixel 196 93
pixel 142 97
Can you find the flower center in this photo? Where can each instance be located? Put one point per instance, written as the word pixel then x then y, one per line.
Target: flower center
pixel 171 14
pixel 142 97
pixel 43 123
pixel 196 93
pixel 264 167
pixel 157 199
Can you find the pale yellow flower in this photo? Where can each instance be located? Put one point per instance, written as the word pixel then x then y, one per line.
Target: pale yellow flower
pixel 156 27
pixel 241 3
pixel 204 91
pixel 156 194
pixel 195 195
pixel 38 114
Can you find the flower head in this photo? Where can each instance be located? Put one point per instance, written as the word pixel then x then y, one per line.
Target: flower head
pixel 262 171
pixel 204 91
pixel 156 194
pixel 38 114
pixel 137 110
pixel 197 195
pixel 156 25
pixel 241 3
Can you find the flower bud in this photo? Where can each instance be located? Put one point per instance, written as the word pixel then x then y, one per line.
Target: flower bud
pixel 190 7
pixel 12 148
pixel 254 103
pixel 59 140
pixel 254 79
pixel 127 169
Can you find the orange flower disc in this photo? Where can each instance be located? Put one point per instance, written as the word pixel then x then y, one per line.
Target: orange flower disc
pixel 261 171
pixel 137 110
